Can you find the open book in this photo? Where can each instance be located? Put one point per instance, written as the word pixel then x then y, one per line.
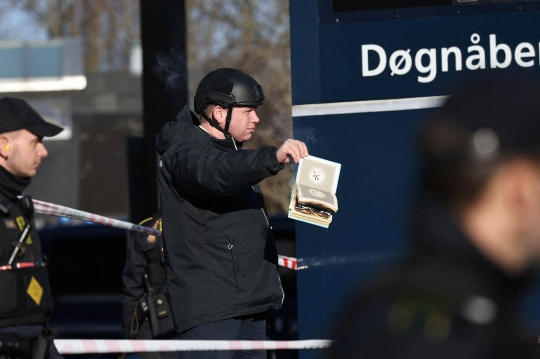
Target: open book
pixel 313 197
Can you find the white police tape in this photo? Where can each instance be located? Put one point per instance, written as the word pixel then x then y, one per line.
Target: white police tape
pixel 99 346
pixel 62 211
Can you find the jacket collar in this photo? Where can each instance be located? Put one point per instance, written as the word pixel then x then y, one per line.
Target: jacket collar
pixel 12 186
pixel 186 128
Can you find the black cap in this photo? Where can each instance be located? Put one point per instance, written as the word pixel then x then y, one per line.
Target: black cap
pixel 17 114
pixel 494 114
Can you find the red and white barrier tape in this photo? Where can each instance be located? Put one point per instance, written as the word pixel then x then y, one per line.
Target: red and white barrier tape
pixel 289 262
pixel 95 346
pixel 62 211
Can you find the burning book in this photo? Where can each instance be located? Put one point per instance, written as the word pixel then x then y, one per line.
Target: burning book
pixel 313 197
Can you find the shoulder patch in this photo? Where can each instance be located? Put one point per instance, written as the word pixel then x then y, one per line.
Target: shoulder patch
pixel 10 224
pixel 418 313
pixel 20 222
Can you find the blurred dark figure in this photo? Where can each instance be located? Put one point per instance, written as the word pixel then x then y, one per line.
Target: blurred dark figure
pixel 145 306
pixel 476 236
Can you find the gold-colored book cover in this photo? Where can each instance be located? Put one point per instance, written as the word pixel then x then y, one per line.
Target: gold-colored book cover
pixel 313 198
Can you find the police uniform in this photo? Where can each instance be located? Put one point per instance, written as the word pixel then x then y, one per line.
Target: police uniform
pixel 445 300
pixel 144 257
pixel 26 299
pixel 26 295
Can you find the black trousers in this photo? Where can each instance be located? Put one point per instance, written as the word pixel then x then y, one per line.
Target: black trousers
pixel 248 327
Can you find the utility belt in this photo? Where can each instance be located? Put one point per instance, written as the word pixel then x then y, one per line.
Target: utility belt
pixel 160 305
pixel 153 309
pixel 25 292
pixel 16 347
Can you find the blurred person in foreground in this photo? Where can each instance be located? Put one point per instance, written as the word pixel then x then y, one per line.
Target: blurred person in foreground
pixel 25 295
pixel 476 236
pixel 221 259
pixel 145 305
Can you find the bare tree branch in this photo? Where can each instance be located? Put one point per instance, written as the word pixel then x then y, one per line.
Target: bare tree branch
pixel 252 36
pixel 107 27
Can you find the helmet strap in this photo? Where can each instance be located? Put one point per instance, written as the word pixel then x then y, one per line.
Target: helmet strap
pixel 228 119
pixel 215 124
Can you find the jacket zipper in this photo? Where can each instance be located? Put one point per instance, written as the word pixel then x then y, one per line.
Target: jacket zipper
pixel 282 291
pixel 260 205
pixel 230 247
pixel 254 192
pixel 269 227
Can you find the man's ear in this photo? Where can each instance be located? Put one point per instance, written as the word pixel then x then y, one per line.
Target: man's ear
pixel 219 113
pixel 4 146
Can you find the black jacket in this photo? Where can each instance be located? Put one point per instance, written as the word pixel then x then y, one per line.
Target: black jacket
pixel 26 297
pixel 445 300
pixel 221 258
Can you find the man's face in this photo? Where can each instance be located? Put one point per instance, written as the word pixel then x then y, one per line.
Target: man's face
pixel 531 218
pixel 243 123
pixel 25 153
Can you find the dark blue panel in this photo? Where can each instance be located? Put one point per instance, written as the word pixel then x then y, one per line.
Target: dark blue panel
pixel 375 149
pixel 310 244
pixel 377 157
pixel 304 51
pixel 310 282
pixel 328 16
pixel 378 164
pixel 341 59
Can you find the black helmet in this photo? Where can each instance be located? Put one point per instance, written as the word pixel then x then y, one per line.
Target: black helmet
pixel 228 87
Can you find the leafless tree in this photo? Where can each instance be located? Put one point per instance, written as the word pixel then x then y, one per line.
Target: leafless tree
pixel 109 28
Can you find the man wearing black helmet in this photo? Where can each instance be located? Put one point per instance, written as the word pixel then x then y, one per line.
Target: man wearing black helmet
pixel 26 298
pixel 475 232
pixel 221 259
